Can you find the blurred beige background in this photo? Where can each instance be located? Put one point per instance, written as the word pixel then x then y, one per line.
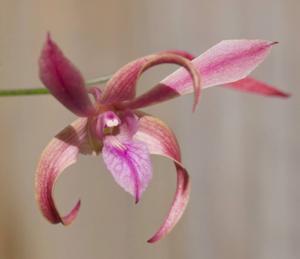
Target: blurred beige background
pixel 242 151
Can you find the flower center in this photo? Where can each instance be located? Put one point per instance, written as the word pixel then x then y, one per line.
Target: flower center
pixel 106 124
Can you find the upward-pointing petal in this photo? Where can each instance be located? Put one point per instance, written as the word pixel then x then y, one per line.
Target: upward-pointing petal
pixel 60 153
pixel 64 80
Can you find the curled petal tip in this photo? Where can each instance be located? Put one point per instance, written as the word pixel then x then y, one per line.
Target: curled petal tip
pixel 178 207
pixel 197 89
pixel 68 219
pixel 161 141
pixel 151 240
pixel 60 153
pixel 196 100
pixel 194 107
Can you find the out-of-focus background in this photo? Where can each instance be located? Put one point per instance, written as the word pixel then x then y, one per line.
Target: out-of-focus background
pixel 242 151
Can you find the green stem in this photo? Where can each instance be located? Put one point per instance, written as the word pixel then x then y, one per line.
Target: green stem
pixel 40 91
pixel 98 80
pixel 28 91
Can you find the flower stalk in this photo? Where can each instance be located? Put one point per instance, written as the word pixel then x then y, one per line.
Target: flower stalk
pixel 42 91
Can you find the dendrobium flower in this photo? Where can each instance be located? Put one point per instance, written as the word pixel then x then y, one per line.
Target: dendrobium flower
pixel 112 126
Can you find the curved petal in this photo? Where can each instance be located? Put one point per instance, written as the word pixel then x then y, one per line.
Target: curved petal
pixel 129 163
pixel 64 80
pixel 60 153
pixel 161 141
pixel 226 62
pixel 129 126
pixel 122 86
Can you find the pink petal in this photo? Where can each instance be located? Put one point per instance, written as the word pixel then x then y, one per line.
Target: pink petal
pixel 122 86
pixel 129 163
pixel 60 153
pixel 129 125
pixel 252 85
pixel 161 141
pixel 64 80
pixel 226 62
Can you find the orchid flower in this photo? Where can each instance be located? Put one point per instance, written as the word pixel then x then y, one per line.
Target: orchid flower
pixel 110 124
